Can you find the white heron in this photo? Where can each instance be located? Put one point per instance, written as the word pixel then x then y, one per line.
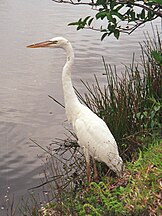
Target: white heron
pixel 94 137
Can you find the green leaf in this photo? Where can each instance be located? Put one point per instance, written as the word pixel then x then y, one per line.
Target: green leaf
pixel 157 56
pixel 110 17
pixel 156 1
pixel 119 7
pixel 138 115
pixel 78 28
pixel 85 20
pixel 90 21
pixel 111 27
pixel 100 2
pixel 145 113
pixel 103 36
pixel 138 16
pixel 132 14
pixel 73 23
pixel 150 15
pixel 116 33
pixel 119 15
pixel 112 5
pixel 143 14
pixel 157 107
pixel 79 22
pixel 101 15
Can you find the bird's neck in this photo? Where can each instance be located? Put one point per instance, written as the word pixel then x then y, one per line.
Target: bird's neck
pixel 72 103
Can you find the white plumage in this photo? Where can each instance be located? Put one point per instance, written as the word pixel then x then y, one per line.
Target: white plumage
pixel 92 132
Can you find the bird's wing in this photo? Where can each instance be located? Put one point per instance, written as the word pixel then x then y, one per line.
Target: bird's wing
pixel 93 134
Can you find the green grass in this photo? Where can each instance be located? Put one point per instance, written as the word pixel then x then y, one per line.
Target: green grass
pixel 137 193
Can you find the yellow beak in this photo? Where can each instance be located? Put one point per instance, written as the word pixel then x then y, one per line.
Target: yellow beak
pixel 41 44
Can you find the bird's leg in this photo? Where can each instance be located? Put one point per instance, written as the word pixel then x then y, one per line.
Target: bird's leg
pixel 88 171
pixel 95 171
pixel 87 157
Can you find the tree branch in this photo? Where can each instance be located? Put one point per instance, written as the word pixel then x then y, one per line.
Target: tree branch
pixel 76 3
pixel 92 3
pixel 156 12
pixel 110 11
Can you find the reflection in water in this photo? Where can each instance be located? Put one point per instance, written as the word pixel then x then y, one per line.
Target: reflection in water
pixel 29 76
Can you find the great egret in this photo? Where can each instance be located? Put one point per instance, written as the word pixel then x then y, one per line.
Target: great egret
pixel 94 137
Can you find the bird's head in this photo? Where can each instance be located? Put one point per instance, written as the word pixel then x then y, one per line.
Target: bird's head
pixel 57 42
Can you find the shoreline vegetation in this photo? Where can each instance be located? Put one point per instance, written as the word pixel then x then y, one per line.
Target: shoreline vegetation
pixel 137 193
pixel 131 106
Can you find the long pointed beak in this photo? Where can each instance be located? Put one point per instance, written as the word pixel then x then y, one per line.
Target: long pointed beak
pixel 41 44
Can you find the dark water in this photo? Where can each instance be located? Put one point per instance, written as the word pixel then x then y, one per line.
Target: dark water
pixel 27 77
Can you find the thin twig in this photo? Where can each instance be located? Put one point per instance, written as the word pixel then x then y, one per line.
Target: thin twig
pixel 75 3
pixel 56 101
pixel 54 178
pixel 40 146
